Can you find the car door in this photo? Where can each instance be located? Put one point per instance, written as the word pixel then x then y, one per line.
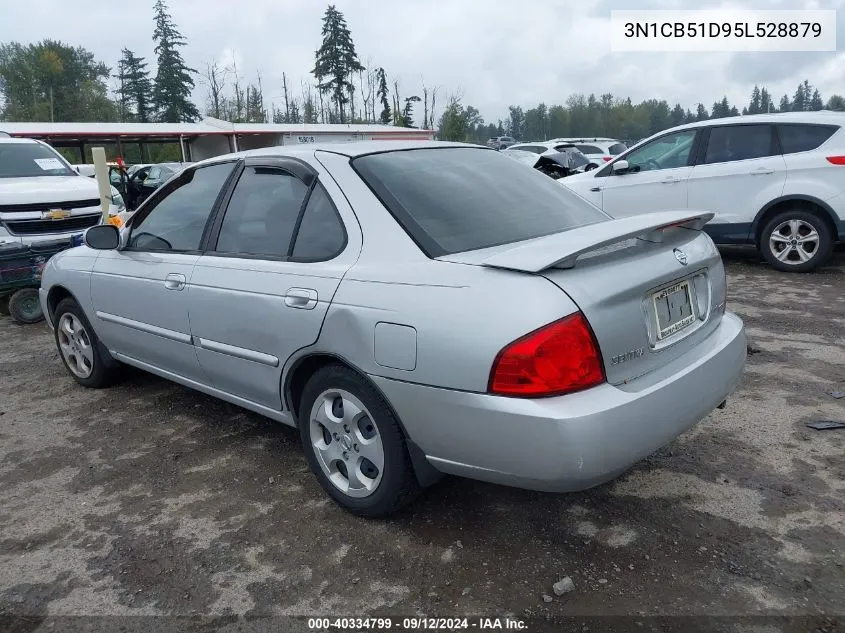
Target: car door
pixel 262 289
pixel 739 170
pixel 656 179
pixel 140 291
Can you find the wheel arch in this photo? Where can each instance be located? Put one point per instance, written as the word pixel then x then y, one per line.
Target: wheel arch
pixel 56 294
pixel 305 366
pixel 785 202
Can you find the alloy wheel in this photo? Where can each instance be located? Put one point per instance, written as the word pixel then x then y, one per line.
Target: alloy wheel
pixel 347 443
pixel 794 242
pixel 75 345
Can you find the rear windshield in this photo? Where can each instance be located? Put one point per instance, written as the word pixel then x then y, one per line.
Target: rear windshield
pixel 452 200
pixel 616 149
pixel 590 149
pixel 22 160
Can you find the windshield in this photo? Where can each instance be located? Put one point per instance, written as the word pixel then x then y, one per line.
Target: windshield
pixel 451 200
pixel 24 160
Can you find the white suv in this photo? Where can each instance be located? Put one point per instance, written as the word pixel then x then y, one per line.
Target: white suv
pixel 598 150
pixel 773 180
pixel 42 198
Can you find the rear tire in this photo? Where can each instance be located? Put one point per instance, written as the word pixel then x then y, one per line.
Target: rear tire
pixel 354 445
pixel 796 241
pixel 25 306
pixel 83 354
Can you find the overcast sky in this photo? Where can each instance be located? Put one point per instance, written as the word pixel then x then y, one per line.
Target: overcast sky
pixel 493 52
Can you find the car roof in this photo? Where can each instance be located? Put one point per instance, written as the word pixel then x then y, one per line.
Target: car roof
pixel 821 116
pixel 352 150
pixel 18 141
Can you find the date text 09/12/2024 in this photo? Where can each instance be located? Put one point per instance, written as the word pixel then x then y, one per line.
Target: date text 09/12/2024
pixel 417 624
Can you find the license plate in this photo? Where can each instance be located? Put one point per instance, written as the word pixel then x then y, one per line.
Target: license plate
pixel 673 309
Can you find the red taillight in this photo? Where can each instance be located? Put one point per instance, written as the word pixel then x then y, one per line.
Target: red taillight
pixel 559 358
pixel 607 158
pixel 836 160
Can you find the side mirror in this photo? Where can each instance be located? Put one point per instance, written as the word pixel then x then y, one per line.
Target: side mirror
pixel 103 237
pixel 620 167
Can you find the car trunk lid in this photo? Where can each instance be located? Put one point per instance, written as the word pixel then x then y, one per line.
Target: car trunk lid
pixel 651 286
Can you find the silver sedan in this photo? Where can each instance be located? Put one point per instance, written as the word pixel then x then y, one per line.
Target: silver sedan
pixel 414 309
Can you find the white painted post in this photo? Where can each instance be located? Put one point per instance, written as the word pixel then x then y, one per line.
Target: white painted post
pixel 101 174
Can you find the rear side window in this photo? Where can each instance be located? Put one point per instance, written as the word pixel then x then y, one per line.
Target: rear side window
pixel 616 149
pixel 451 200
pixel 262 213
pixel 796 138
pixel 738 142
pixel 321 235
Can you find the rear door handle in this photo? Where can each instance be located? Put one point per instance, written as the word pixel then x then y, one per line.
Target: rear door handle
pixel 669 180
pixel 595 188
pixel 761 171
pixel 174 281
pixel 302 298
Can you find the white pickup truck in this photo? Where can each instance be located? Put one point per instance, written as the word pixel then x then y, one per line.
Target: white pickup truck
pixel 42 198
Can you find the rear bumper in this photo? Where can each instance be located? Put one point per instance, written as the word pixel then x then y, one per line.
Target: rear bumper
pixel 576 441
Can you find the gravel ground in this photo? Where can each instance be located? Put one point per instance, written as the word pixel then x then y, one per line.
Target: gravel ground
pixel 149 499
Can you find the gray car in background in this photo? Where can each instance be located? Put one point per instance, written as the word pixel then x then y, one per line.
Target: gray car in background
pixel 414 308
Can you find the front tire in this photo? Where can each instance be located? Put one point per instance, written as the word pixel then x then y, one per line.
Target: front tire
pixel 796 241
pixel 354 445
pixel 83 354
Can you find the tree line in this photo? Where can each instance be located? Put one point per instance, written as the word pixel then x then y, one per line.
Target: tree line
pixel 55 81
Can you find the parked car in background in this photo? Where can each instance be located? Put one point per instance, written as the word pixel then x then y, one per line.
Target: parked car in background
pixel 355 291
pixel 553 163
pixel 776 181
pixel 142 180
pixel 575 158
pixel 42 198
pixel 598 150
pixel 500 142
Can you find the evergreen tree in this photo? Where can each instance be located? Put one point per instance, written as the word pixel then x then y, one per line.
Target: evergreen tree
pixel 135 87
pixel 801 100
pixel 766 104
pixel 816 102
pixel 701 113
pixel 754 106
pixel 386 115
pixel 173 82
pixel 408 111
pixel 336 60
pixel 785 105
pixel 677 115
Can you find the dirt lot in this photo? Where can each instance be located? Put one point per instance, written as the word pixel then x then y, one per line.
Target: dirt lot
pixel 150 499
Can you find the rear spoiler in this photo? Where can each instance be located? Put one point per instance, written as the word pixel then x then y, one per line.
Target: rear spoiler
pixel 560 250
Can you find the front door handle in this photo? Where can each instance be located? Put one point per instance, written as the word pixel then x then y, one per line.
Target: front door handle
pixel 669 180
pixel 174 281
pixel 302 298
pixel 762 171
pixel 595 188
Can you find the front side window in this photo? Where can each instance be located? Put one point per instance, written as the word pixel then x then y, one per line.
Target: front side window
pixel 667 152
pixel 177 220
pixel 795 137
pixel 451 200
pixel 731 143
pixel 28 160
pixel 262 213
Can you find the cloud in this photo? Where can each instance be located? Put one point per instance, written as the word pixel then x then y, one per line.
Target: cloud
pixel 495 53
